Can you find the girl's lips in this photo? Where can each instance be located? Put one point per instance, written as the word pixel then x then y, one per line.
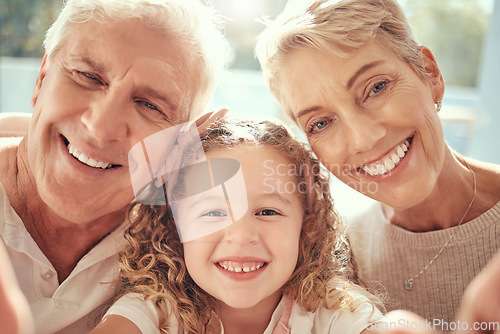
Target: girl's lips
pixel 388 162
pixel 241 268
pixel 247 266
pixel 240 272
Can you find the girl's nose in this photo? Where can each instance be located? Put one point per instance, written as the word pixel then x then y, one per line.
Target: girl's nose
pixel 244 231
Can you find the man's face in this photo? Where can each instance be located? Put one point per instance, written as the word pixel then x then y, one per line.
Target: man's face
pixel 109 86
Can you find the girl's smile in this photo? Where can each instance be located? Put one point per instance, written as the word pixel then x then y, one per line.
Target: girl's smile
pixel 241 269
pixel 250 260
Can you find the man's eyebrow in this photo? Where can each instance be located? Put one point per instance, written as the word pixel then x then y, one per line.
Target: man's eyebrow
pixel 159 96
pixel 89 62
pixel 363 69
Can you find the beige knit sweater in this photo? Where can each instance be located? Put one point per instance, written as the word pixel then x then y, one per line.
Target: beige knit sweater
pixel 388 255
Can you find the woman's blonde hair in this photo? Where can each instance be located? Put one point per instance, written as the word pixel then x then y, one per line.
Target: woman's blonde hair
pixel 336 27
pixel 153 264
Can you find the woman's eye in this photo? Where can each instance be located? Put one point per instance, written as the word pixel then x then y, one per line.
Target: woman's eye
pixel 317 126
pixel 377 88
pixel 268 212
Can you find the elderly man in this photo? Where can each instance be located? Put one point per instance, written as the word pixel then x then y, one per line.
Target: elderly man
pixel 114 73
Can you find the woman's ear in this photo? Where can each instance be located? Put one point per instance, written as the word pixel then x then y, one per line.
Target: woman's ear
pixel 39 80
pixel 434 76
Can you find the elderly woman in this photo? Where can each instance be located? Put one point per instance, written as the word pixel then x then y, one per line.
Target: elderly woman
pixel 367 96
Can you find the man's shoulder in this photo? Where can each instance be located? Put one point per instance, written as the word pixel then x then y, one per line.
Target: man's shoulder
pixel 9 142
pixel 8 152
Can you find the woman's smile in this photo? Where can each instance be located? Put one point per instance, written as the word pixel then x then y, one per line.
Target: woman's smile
pixel 389 161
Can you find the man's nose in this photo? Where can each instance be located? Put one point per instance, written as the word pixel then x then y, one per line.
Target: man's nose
pixel 108 117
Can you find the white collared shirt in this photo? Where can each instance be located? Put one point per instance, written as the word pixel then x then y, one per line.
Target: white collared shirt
pixel 67 307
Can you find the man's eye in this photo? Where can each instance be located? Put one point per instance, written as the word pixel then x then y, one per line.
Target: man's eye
pixel 150 106
pixel 90 76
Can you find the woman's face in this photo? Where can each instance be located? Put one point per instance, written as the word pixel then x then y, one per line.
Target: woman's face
pixel 370 119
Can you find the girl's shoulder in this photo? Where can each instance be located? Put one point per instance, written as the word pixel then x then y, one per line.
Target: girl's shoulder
pixel 140 311
pixel 337 320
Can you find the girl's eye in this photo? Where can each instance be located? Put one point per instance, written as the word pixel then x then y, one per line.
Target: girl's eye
pixel 214 213
pixel 268 212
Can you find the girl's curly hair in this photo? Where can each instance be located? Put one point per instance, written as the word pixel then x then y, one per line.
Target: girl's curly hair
pixel 153 263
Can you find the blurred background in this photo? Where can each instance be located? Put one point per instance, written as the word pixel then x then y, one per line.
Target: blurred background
pixel 464 36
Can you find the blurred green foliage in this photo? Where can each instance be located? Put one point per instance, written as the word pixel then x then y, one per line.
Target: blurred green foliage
pixel 23 24
pixel 453 29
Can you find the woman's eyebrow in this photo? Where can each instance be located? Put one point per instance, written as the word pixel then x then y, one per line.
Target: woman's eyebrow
pixel 363 69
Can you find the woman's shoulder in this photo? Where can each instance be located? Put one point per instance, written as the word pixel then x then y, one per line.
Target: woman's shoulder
pixel 488 183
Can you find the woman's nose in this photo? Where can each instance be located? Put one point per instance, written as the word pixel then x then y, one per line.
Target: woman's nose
pixel 363 132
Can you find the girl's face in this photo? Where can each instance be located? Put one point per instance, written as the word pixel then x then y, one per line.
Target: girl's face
pixel 370 119
pixel 246 264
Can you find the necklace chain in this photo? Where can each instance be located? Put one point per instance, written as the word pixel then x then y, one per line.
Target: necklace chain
pixel 409 281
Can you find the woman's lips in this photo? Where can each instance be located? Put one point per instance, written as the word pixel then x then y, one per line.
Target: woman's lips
pixel 388 162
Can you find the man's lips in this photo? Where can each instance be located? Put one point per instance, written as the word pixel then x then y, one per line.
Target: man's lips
pixel 389 161
pixel 86 160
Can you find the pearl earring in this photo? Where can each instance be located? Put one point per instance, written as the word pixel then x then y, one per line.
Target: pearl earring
pixel 439 104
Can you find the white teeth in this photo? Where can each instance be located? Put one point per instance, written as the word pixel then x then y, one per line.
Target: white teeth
pixel 400 152
pixel 86 160
pixel 389 162
pixel 381 169
pixel 239 267
pixel 83 158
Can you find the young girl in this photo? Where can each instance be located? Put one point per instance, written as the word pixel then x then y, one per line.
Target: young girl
pixel 272 261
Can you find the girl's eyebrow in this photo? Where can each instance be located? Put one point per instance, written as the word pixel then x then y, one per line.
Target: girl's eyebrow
pixel 360 71
pixel 278 196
